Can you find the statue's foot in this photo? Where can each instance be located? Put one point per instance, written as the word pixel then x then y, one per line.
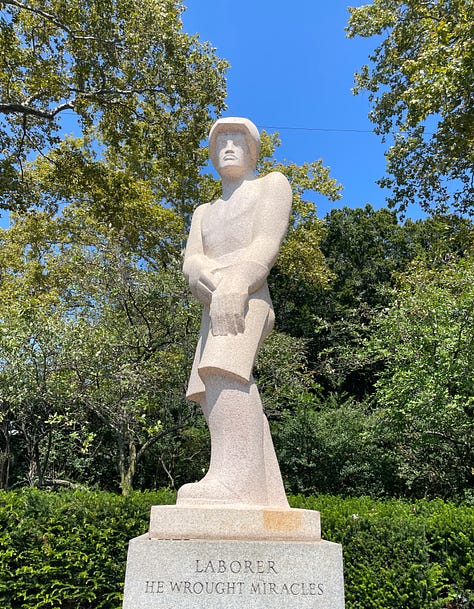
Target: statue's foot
pixel 208 491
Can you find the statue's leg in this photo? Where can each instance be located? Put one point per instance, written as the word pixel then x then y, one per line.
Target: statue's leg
pixel 243 466
pixel 274 484
pixel 276 495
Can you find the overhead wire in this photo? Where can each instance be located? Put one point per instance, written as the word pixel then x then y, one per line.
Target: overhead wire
pixel 331 130
pixel 326 129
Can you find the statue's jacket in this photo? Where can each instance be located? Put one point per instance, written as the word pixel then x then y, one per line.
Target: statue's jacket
pixel 240 237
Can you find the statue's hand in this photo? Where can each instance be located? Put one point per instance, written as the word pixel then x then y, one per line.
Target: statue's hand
pixel 202 286
pixel 228 312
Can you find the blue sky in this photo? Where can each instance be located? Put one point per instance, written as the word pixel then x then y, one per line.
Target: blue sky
pixel 292 70
pixel 292 66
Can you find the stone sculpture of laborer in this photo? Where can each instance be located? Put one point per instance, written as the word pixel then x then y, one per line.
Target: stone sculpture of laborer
pixel 232 245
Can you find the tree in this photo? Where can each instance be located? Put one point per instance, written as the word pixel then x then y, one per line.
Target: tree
pixel 36 402
pixel 300 259
pixel 366 251
pixel 331 444
pixel 103 256
pixel 425 391
pixel 363 249
pixel 94 348
pixel 138 86
pixel 130 351
pixel 420 80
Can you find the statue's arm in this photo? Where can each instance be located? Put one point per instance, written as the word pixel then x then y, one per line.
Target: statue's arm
pixel 270 226
pixel 240 279
pixel 197 267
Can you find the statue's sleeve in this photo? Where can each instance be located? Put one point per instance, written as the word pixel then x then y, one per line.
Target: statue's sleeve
pixel 197 266
pixel 269 228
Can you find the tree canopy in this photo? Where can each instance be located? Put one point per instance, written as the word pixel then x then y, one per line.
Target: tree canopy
pixel 97 327
pixel 420 83
pixel 426 392
pixel 123 70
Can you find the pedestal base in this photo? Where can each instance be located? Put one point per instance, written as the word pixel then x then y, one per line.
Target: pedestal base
pixel 179 574
pixel 243 522
pixel 267 572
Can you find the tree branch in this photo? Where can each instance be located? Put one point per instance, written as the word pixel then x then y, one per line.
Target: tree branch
pixel 17 108
pixel 105 92
pixel 41 13
pixel 53 19
pixel 27 110
pixel 162 434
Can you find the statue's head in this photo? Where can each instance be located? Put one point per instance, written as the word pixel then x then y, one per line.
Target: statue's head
pixel 241 135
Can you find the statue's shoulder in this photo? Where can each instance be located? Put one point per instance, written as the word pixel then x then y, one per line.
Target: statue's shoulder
pixel 200 209
pixel 276 183
pixel 276 177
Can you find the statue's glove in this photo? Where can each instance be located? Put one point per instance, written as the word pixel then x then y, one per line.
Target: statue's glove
pixel 228 310
pixel 202 282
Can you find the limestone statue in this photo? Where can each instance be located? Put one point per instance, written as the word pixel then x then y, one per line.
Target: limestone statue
pixel 232 245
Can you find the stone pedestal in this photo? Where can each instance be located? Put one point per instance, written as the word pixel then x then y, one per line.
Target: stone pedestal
pixel 233 558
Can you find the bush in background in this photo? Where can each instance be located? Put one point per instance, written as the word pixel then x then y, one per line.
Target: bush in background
pixel 400 554
pixel 68 550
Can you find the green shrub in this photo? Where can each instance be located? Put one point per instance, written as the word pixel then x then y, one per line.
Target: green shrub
pixel 67 550
pixel 400 554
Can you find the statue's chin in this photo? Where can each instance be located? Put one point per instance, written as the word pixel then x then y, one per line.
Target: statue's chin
pixel 234 171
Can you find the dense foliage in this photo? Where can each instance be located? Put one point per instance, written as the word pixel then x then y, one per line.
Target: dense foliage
pixel 420 83
pixel 123 72
pixel 389 347
pixel 97 327
pixel 93 378
pixel 86 361
pixel 69 549
pixel 398 554
pixel 425 392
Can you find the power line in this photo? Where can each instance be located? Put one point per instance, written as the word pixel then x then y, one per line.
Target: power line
pixel 317 129
pixel 331 130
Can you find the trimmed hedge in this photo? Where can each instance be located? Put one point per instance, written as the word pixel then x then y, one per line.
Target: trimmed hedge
pixel 68 549
pixel 400 554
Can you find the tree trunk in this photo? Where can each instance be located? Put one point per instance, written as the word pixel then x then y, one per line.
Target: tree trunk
pixel 5 455
pixel 128 466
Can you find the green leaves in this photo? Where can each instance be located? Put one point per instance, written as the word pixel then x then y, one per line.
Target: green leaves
pixel 69 549
pixel 426 387
pixel 300 259
pixel 420 85
pixel 124 67
pixel 89 333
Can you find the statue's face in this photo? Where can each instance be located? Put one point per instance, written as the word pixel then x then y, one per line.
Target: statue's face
pixel 232 153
